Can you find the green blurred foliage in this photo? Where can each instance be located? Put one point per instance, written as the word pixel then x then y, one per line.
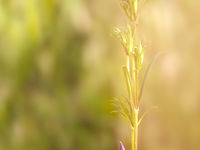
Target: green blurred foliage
pixel 42 103
pixel 59 69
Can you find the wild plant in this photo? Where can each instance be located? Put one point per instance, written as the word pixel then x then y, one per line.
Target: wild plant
pixel 129 106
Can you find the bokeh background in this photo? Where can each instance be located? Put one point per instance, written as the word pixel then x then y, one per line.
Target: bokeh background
pixel 60 67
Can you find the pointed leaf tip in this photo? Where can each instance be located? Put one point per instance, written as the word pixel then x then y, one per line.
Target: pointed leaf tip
pixel 121 146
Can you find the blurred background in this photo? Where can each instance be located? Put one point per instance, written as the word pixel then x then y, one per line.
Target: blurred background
pixel 60 67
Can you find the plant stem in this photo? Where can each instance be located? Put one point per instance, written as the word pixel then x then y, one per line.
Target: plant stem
pixel 136 88
pixel 132 138
pixel 134 131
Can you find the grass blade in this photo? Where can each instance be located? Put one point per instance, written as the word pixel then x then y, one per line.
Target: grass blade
pixel 146 74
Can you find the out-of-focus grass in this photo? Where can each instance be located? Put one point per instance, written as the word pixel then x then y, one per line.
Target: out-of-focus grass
pixel 59 68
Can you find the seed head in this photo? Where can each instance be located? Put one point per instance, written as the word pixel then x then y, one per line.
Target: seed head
pixel 130 8
pixel 127 38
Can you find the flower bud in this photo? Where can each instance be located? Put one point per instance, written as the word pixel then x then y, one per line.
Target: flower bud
pixel 140 56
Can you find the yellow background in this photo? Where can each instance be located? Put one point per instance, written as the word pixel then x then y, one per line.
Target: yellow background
pixel 60 67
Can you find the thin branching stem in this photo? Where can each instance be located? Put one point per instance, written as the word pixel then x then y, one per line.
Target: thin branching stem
pixel 134 51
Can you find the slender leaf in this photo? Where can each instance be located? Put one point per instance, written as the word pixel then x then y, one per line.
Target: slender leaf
pixel 128 80
pixel 145 113
pixel 146 74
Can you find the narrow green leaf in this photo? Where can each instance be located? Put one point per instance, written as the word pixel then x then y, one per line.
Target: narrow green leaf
pixel 128 80
pixel 146 74
pixel 145 113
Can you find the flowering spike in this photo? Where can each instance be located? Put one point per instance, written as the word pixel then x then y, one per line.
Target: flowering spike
pixel 134 51
pixel 127 38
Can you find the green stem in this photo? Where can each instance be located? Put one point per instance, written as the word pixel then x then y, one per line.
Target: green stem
pixel 136 88
pixel 132 138
pixel 136 129
pixel 134 132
